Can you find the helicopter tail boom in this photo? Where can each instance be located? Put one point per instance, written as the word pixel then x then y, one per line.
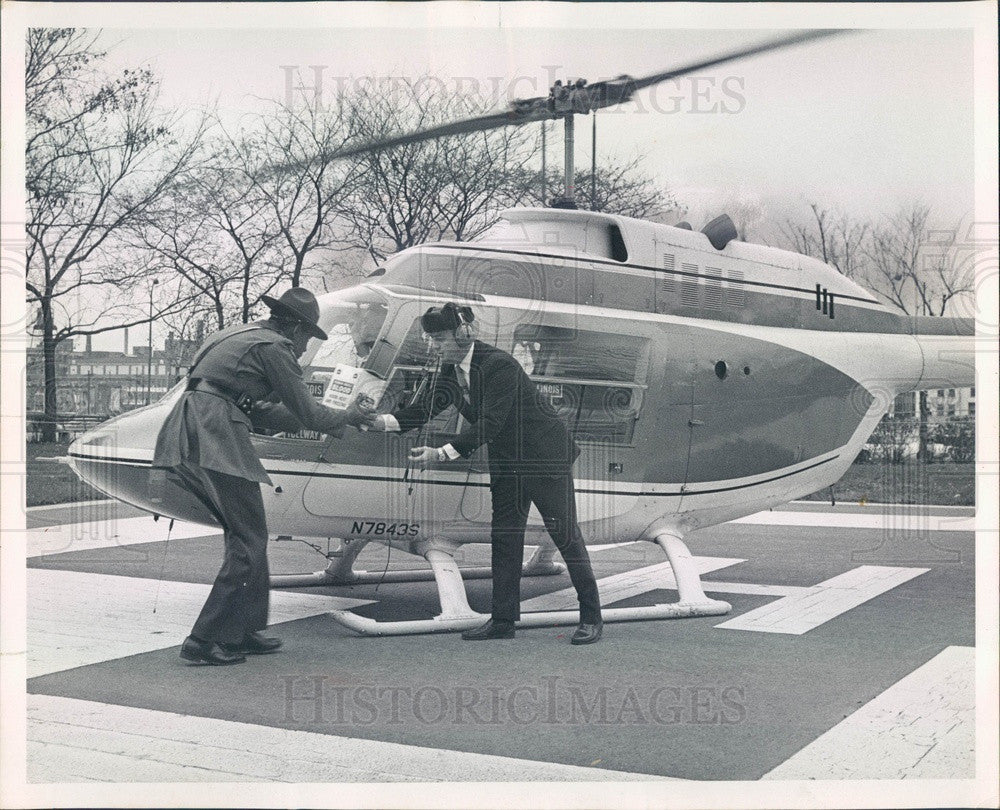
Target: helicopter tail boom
pixel 947 347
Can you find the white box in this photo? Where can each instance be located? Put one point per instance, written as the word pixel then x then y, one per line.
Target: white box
pixel 347 383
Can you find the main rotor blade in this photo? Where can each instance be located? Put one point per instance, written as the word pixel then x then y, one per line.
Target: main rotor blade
pixel 764 47
pixel 571 99
pixel 482 124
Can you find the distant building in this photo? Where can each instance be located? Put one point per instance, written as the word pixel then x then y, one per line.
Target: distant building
pixel 943 403
pixel 105 383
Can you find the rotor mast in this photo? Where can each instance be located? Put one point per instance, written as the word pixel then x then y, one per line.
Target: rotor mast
pixel 568 184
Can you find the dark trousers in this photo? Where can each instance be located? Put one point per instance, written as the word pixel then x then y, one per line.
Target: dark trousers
pixel 553 494
pixel 238 602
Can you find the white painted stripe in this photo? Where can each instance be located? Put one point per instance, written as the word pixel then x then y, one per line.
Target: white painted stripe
pixel 626 585
pixel 922 727
pixel 76 619
pixel 855 354
pixel 68 505
pixel 888 520
pixel 811 607
pixel 108 533
pixel 72 740
pixel 750 588
pixel 766 271
pixel 123 531
pixel 277 467
pixel 875 505
pixel 606 546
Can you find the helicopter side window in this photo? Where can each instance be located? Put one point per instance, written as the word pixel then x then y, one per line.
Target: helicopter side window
pixel 352 328
pixel 555 351
pixel 409 370
pixel 593 380
pixel 352 331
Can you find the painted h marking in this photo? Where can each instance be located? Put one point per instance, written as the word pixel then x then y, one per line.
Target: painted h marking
pixel 922 727
pixel 626 585
pixel 806 610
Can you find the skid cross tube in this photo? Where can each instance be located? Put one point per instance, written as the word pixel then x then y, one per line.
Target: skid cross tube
pixel 341 570
pixel 456 615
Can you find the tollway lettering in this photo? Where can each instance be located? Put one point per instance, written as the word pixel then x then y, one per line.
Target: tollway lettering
pixel 552 701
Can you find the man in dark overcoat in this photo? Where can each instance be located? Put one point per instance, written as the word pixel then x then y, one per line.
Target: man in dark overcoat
pixel 204 447
pixel 531 455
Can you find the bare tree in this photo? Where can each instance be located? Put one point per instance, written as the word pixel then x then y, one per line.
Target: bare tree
pixel 901 259
pixel 453 187
pixel 187 328
pixel 918 274
pixel 911 265
pixel 281 155
pixel 98 155
pixel 619 188
pixel 219 234
pixel 833 237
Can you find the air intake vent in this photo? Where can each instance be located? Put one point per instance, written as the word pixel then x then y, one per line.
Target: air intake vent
pixel 735 295
pixel 689 285
pixel 713 288
pixel 667 280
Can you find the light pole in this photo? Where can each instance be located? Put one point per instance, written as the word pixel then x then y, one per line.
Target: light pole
pixel 149 357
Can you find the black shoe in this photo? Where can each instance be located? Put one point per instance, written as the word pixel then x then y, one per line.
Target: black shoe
pixel 253 644
pixel 587 633
pixel 490 630
pixel 205 652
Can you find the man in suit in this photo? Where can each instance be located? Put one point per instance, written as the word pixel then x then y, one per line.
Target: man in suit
pixel 204 447
pixel 531 457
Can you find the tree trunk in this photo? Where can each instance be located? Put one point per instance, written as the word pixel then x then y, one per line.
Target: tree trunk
pixel 925 412
pixel 49 365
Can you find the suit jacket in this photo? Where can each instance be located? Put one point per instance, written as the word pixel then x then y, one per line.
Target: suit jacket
pixel 505 411
pixel 208 430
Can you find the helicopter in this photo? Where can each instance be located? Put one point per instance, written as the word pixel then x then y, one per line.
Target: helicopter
pixel 704 379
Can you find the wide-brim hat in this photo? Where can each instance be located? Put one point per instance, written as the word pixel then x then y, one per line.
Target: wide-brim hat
pixel 300 304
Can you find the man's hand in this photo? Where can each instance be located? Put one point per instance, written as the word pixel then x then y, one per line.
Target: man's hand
pixel 379 423
pixel 422 456
pixel 361 412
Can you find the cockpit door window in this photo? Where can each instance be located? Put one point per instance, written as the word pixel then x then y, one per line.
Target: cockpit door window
pixel 594 381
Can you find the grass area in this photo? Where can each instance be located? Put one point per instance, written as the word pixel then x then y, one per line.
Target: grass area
pixel 938 484
pixel 50 481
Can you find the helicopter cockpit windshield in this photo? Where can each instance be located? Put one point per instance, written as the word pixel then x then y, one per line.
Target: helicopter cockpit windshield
pixel 352 320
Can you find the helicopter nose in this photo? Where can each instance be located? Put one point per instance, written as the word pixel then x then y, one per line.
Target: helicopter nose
pixel 114 457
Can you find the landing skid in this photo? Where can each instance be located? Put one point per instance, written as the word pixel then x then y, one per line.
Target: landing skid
pixel 341 570
pixel 456 615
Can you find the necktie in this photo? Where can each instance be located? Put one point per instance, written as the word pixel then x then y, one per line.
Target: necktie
pixel 463 384
pixel 463 381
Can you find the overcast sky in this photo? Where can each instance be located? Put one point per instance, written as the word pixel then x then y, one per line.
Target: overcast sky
pixel 866 122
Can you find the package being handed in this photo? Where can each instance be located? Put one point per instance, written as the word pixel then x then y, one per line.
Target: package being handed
pixel 348 383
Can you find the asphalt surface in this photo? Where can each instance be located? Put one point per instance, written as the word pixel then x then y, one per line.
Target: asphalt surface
pixel 680 698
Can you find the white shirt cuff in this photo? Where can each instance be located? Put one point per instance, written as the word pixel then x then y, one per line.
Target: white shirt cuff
pixel 451 452
pixel 391 423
